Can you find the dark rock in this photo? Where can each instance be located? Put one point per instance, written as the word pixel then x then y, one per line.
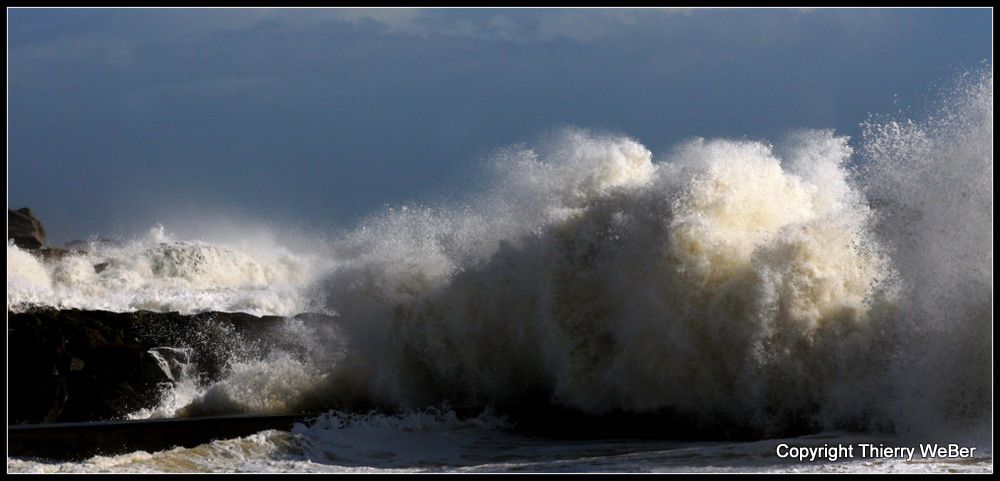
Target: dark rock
pixel 72 365
pixel 24 229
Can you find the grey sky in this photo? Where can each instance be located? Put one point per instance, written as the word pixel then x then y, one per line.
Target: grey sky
pixel 120 118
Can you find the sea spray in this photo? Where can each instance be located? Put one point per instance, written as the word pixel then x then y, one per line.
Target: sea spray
pixel 222 369
pixel 732 280
pixel 28 281
pixel 160 273
pixel 721 281
pixel 932 181
pixel 787 287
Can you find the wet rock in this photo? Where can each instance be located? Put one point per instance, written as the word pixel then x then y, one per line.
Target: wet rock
pixel 24 229
pixel 73 365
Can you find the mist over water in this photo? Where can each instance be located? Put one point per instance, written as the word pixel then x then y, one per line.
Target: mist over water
pixel 799 284
pixel 933 183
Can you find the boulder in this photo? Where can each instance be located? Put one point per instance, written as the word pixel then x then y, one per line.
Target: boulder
pixel 24 229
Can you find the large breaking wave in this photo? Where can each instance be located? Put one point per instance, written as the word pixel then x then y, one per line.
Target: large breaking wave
pixel 731 280
pixel 775 286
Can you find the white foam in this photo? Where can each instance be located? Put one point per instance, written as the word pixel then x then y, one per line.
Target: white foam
pixel 721 278
pixel 933 181
pixel 729 280
pixel 27 280
pixel 437 441
pixel 160 273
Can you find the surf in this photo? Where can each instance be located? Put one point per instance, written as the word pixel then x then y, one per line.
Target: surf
pixel 803 285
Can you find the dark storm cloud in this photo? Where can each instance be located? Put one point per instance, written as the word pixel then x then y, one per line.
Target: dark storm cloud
pixel 118 118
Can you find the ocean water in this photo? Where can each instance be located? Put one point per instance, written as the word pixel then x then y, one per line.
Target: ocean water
pixel 809 283
pixel 439 442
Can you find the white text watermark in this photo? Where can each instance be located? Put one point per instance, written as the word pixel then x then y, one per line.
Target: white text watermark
pixel 828 452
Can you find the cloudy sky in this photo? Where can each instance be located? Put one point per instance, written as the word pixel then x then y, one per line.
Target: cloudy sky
pixel 121 118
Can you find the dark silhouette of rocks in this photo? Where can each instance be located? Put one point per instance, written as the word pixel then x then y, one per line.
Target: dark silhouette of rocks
pixel 73 365
pixel 24 229
pixel 69 368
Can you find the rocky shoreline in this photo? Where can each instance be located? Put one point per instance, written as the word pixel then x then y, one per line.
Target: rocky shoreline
pixel 77 365
pixel 27 232
pixel 73 365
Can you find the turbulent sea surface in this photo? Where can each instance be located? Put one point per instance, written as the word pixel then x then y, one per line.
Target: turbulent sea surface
pixel 801 285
